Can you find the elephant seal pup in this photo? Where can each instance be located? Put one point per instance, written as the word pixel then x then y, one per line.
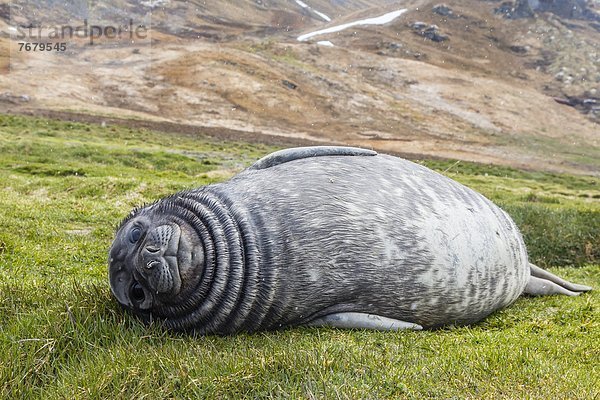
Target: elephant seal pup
pixel 323 236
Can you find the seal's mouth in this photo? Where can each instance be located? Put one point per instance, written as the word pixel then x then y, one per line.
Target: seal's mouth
pixel 136 292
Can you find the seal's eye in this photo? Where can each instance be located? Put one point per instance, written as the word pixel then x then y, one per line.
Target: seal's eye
pixel 135 234
pixel 136 293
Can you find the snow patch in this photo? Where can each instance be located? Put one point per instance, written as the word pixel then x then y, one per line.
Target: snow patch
pixel 325 43
pixel 319 13
pixel 381 20
pixel 154 3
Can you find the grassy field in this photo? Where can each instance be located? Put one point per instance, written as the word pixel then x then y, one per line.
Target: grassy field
pixel 65 186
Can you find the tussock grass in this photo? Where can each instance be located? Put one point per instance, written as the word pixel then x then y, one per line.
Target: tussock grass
pixel 64 187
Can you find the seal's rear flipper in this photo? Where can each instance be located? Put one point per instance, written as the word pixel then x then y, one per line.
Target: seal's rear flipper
pixel 543 282
pixel 297 153
pixel 355 320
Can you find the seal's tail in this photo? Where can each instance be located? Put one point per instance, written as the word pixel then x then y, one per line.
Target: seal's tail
pixel 542 282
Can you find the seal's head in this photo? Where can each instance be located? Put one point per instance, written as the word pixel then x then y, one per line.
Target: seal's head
pixel 155 260
pixel 185 261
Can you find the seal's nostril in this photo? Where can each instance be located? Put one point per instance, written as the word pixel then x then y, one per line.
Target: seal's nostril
pixel 152 249
pixel 136 293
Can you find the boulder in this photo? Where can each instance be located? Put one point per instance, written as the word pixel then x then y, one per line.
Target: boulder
pixel 443 10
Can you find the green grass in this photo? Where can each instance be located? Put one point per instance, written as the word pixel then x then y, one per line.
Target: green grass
pixel 64 187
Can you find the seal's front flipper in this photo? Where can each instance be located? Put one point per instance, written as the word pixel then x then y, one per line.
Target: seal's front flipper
pixel 355 320
pixel 297 153
pixel 543 274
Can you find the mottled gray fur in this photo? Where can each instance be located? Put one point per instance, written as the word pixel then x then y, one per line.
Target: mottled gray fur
pixel 307 234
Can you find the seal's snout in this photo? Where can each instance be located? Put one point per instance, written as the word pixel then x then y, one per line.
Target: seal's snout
pixel 162 241
pixel 158 263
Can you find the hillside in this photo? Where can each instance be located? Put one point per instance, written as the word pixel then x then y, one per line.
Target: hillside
pixel 471 81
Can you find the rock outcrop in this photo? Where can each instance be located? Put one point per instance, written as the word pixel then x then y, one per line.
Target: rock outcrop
pixel 571 9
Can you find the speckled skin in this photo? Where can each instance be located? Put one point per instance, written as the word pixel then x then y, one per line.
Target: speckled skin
pixel 283 244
